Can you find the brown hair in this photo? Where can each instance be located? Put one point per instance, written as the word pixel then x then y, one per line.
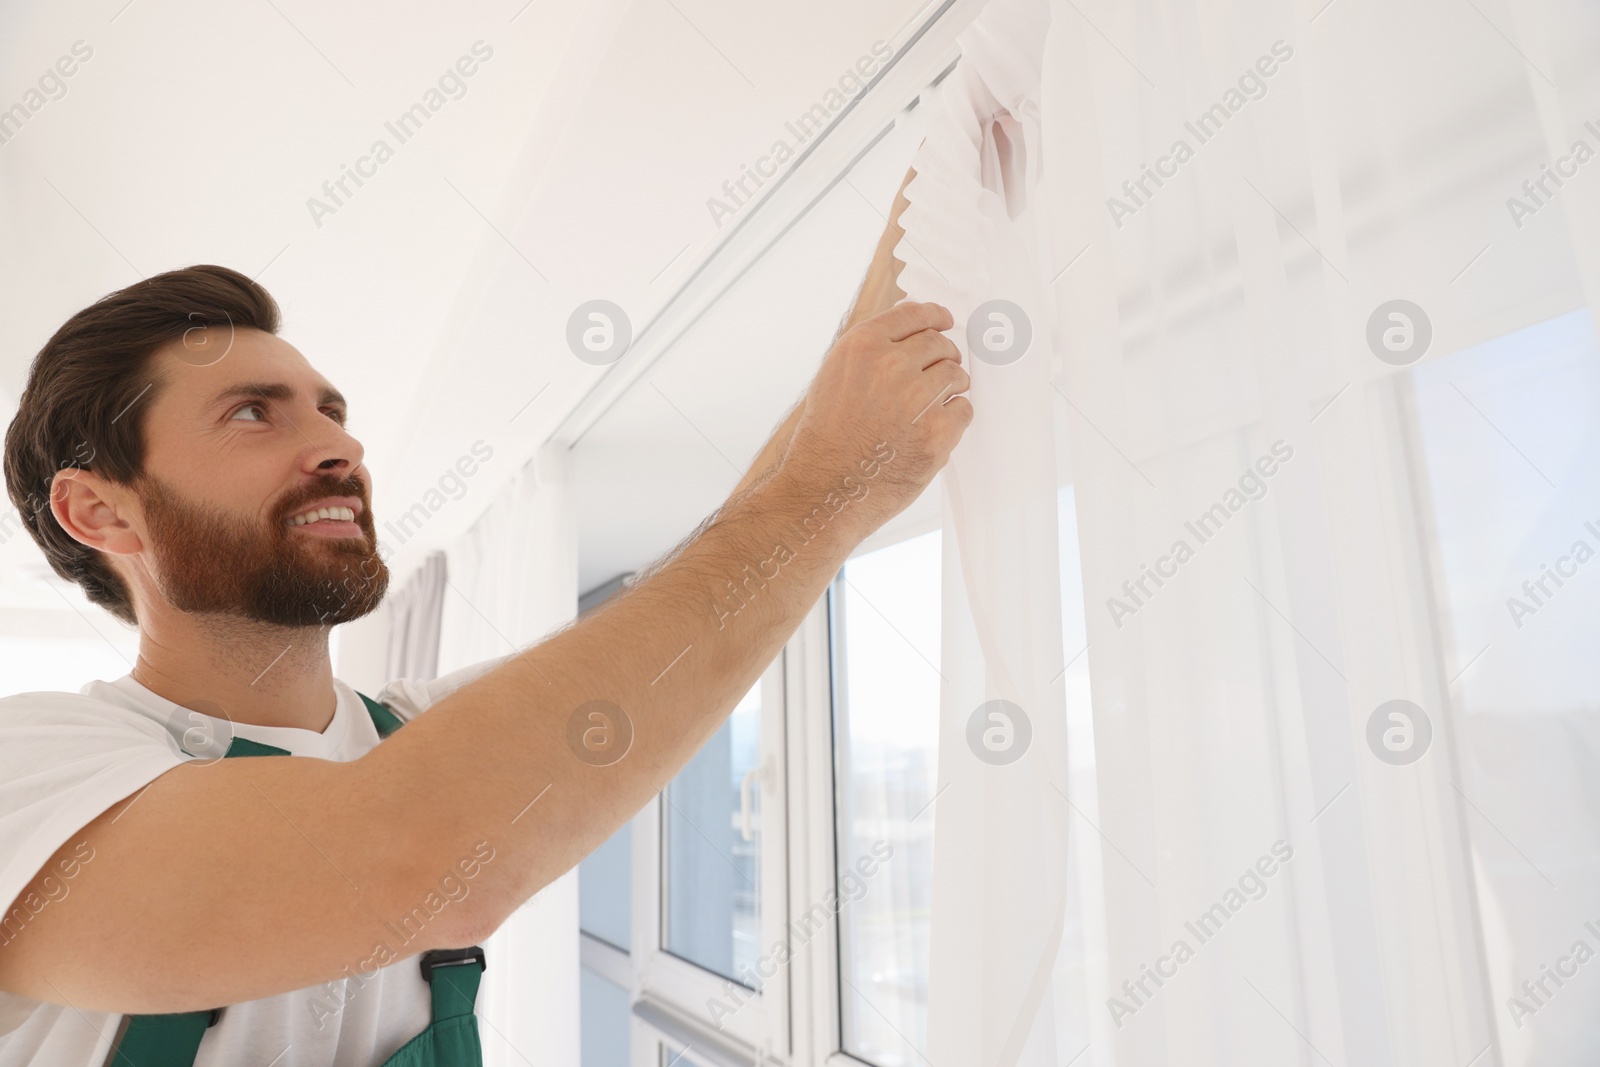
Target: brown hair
pixel 87 394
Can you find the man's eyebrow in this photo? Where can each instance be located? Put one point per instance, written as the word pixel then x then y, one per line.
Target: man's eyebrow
pixel 273 391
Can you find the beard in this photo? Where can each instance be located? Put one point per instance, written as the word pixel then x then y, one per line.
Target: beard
pixel 207 561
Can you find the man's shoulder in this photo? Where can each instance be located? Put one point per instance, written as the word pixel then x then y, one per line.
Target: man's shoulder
pixel 40 698
pixel 96 698
pixel 98 712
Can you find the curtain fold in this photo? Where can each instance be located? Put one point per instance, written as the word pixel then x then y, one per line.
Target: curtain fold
pixel 1281 264
pixel 514 578
pixel 999 882
pixel 415 613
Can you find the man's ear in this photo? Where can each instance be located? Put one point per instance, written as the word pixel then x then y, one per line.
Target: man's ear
pixel 93 511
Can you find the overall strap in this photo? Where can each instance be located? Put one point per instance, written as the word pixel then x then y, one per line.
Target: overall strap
pixel 451 1039
pixel 173 1040
pixel 162 1040
pixel 385 720
pixel 243 746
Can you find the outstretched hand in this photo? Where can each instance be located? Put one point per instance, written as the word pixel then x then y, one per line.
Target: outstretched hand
pixel 883 413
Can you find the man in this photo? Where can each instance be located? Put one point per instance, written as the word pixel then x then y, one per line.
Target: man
pixel 192 471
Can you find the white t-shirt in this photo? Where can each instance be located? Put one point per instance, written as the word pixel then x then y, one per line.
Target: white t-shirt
pixel 65 758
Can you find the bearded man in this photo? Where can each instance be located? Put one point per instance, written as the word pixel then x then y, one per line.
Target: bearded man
pixel 172 904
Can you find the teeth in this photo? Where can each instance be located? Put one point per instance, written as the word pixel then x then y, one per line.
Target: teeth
pixel 334 514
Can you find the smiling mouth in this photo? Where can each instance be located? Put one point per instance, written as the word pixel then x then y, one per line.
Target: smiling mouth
pixel 334 516
pixel 326 524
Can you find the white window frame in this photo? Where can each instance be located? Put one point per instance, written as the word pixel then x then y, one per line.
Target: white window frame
pixel 798 1019
pixel 670 994
pixel 814 970
pixel 814 804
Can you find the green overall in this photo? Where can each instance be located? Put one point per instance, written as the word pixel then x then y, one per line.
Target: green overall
pixel 451 1039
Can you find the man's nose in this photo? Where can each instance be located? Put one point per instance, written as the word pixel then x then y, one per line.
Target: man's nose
pixel 332 449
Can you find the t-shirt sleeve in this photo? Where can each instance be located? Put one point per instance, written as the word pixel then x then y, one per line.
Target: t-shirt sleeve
pixel 409 698
pixel 64 759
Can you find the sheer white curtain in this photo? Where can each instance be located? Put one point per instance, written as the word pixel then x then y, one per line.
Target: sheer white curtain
pixel 1284 264
pixel 1000 832
pixel 513 579
pixel 415 613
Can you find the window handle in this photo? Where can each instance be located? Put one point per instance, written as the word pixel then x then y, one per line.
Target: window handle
pixel 752 775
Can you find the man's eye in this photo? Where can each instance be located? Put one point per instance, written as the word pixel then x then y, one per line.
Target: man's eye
pixel 336 414
pixel 251 412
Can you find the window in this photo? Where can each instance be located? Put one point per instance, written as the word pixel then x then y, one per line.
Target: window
pixel 603 1023
pixel 1505 438
pixel 885 633
pixel 884 623
pixel 711 851
pixel 604 897
pixel 709 865
pixel 680 908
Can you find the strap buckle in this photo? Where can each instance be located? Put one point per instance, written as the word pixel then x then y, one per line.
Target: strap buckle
pixel 451 957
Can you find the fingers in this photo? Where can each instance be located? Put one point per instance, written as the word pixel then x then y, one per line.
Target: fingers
pixel 949 376
pixel 960 408
pixel 928 347
pixel 909 317
pixel 941 383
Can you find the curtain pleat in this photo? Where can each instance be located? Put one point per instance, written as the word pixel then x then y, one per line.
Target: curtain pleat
pixel 415 613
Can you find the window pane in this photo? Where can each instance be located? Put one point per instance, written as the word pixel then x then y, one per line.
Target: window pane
pixel 603 1021
pixel 885 619
pixel 605 899
pixel 711 914
pixel 1507 434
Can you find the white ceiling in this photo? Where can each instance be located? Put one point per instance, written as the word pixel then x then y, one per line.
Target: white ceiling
pixel 577 165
